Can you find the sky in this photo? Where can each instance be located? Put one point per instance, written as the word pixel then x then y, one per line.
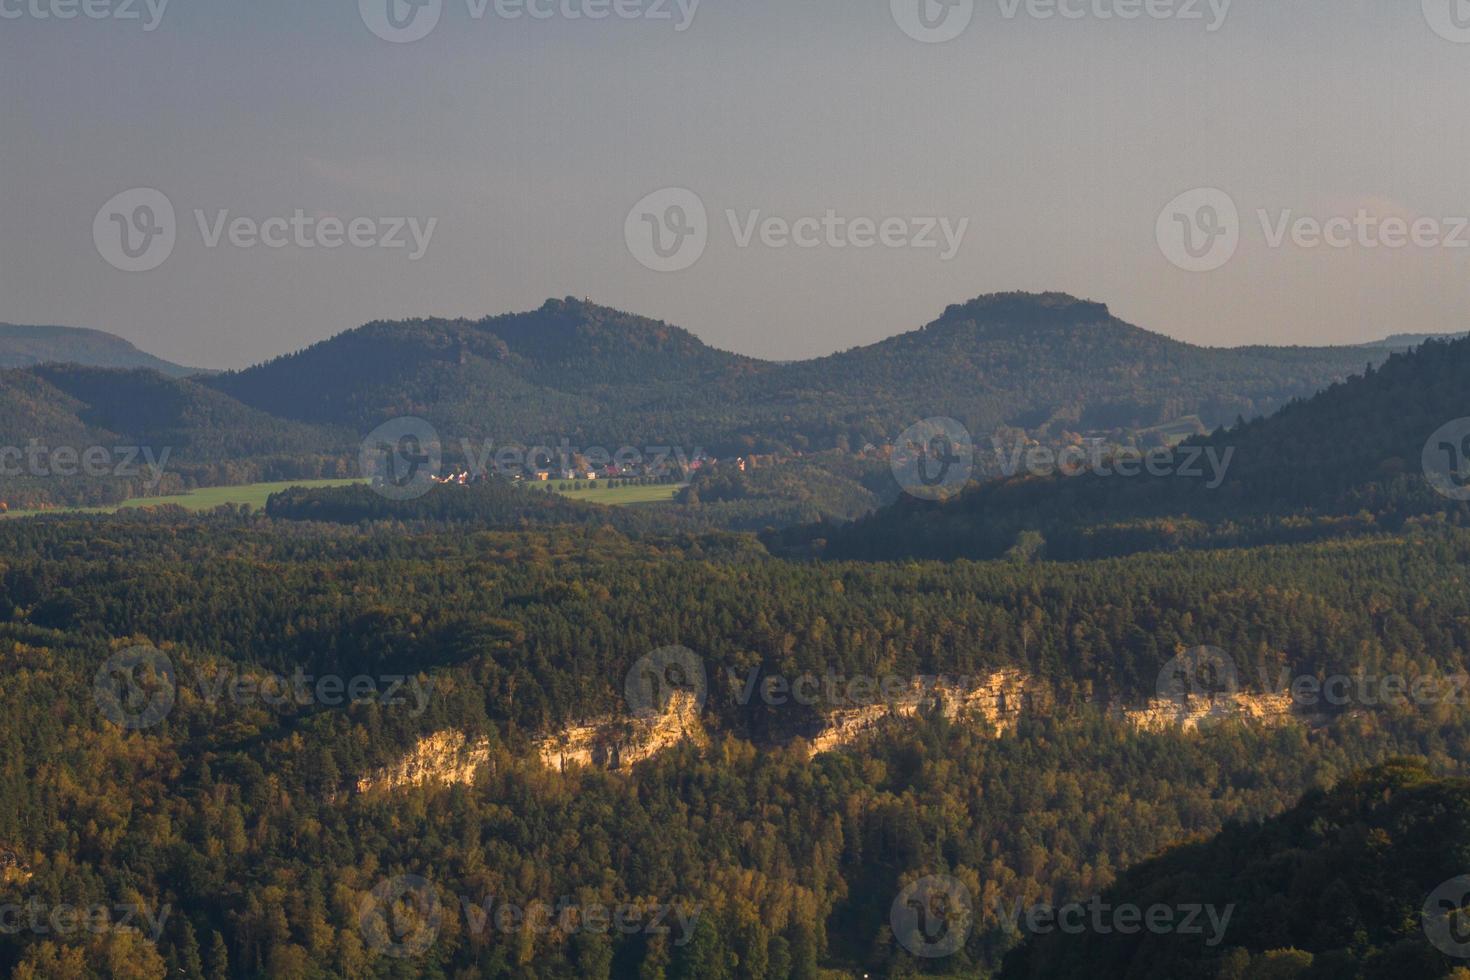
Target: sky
pixel 816 175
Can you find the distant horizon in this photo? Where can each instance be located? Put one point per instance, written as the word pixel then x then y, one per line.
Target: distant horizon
pixel 782 180
pixel 214 369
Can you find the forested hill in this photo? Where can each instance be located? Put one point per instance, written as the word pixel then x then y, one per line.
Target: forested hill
pixel 554 370
pixel 199 436
pixel 1355 453
pixel 1046 363
pixel 1335 888
pixel 26 346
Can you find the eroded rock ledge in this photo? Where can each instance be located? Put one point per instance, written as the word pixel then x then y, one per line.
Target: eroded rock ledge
pixel 997 701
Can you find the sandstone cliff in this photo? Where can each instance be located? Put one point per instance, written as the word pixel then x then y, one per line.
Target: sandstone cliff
pixel 444 757
pixel 619 742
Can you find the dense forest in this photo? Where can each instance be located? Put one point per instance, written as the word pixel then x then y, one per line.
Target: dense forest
pixel 1356 458
pixel 1044 363
pixel 239 814
pixel 1345 884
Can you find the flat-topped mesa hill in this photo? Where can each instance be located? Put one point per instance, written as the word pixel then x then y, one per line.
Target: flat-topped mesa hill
pixel 1045 362
pixel 24 346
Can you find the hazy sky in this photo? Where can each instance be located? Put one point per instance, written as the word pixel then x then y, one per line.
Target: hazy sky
pixel 1059 140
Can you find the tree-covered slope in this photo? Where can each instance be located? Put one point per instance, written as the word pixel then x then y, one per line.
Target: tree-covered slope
pixel 1339 887
pixel 1046 363
pixel 27 346
pixel 1355 452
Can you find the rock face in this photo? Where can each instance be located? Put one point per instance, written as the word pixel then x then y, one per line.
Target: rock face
pixel 444 757
pixel 997 700
pixel 619 742
pixel 13 870
pixel 1188 714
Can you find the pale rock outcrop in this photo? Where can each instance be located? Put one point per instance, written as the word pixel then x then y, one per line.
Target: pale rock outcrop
pixel 445 757
pixel 619 742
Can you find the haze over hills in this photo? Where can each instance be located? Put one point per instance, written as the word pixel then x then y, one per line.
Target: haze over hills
pixel 1338 886
pixel 1351 456
pixel 27 346
pixel 1044 363
pixel 1045 366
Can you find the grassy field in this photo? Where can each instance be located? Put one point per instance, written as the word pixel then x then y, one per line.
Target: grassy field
pixel 207 498
pixel 621 496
